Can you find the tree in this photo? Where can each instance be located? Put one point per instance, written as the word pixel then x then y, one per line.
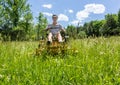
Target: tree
pixel 1 12
pixel 97 26
pixel 110 25
pixel 110 21
pixel 117 30
pixel 119 18
pixel 13 11
pixel 72 31
pixel 5 22
pixel 41 25
pixel 90 29
pixel 16 9
pixel 26 22
pixel 82 34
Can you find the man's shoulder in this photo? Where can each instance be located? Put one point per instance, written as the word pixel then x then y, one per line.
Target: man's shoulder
pixel 49 24
pixel 59 25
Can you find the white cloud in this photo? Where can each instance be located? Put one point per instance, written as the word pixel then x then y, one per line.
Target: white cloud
pixel 62 17
pixel 82 15
pixel 76 23
pixel 47 14
pixel 95 8
pixel 90 8
pixel 70 11
pixel 49 6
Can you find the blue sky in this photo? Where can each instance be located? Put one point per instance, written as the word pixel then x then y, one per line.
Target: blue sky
pixel 74 11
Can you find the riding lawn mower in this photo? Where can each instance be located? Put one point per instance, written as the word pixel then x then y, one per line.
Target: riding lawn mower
pixel 55 48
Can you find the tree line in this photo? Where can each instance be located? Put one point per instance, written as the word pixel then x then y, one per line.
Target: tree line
pixel 110 26
pixel 16 23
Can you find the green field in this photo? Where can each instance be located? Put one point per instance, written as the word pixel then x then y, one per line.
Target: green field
pixel 97 63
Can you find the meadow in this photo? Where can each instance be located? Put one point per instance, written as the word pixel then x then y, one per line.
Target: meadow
pixel 96 63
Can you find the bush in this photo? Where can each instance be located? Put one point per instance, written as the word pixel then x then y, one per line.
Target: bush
pixel 82 34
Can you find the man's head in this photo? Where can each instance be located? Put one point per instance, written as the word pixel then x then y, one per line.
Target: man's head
pixel 54 18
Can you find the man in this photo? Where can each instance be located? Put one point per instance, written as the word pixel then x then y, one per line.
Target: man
pixel 54 30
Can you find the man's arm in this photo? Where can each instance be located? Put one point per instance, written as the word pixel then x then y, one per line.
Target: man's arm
pixel 62 29
pixel 47 28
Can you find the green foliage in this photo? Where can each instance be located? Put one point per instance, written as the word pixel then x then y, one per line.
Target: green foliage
pixel 110 21
pixel 41 25
pixel 119 18
pixel 107 27
pixel 72 31
pixel 82 34
pixel 110 25
pixel 97 63
pixel 14 11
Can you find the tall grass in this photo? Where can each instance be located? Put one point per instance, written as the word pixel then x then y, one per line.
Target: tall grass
pixel 97 63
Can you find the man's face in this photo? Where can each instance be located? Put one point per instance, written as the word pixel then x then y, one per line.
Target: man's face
pixel 55 18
